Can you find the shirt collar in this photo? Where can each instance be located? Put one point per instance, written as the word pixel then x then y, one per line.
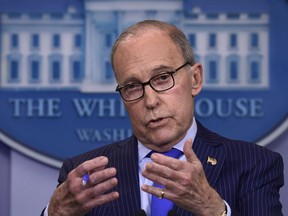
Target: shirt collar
pixel 191 133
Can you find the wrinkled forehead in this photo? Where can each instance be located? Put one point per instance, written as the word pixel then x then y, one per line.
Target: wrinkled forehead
pixel 139 55
pixel 142 34
pixel 145 43
pixel 145 39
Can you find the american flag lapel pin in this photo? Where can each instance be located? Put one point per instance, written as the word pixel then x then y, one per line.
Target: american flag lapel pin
pixel 211 160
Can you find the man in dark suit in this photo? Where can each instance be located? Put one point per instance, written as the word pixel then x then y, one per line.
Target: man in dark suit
pixel 158 79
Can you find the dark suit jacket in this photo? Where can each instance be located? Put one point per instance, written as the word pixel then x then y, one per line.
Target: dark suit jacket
pixel 247 176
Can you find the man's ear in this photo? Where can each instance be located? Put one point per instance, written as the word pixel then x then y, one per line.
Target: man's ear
pixel 197 78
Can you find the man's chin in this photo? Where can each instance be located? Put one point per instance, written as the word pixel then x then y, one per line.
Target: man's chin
pixel 160 142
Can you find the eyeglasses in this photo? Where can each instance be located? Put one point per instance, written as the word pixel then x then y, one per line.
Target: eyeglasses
pixel 159 83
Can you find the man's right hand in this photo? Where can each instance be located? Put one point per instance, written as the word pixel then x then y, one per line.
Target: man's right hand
pixel 72 198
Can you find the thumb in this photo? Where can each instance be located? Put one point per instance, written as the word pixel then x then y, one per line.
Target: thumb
pixel 188 151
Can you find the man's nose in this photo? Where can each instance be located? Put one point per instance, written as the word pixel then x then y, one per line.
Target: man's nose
pixel 150 96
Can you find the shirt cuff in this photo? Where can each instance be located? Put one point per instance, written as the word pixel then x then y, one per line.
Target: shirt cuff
pixel 227 207
pixel 46 210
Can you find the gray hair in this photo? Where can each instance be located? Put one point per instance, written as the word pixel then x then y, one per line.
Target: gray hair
pixel 176 35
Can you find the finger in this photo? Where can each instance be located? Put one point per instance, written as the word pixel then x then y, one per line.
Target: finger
pixel 153 171
pixel 158 192
pixel 105 198
pixel 89 166
pixel 188 151
pixel 79 203
pixel 104 187
pixel 167 161
pixel 88 204
pixel 163 175
pixel 102 175
pixel 152 190
pixel 97 169
pixel 75 177
pixel 97 190
pixel 150 173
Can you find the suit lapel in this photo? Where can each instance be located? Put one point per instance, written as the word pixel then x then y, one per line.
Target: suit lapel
pixel 212 159
pixel 125 160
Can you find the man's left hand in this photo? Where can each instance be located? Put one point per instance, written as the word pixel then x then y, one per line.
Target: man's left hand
pixel 184 182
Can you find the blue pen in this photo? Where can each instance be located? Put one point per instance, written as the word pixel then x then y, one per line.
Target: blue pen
pixel 85 179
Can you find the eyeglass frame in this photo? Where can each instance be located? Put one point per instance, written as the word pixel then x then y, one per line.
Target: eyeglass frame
pixel 143 84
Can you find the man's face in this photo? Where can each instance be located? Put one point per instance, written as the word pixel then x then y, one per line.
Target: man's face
pixel 159 119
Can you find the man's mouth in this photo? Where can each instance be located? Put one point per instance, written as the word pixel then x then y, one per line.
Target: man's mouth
pixel 154 123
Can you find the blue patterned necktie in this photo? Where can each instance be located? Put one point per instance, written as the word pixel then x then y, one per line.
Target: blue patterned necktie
pixel 161 207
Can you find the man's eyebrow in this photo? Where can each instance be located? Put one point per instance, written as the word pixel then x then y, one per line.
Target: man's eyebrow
pixel 154 71
pixel 161 68
pixel 131 79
